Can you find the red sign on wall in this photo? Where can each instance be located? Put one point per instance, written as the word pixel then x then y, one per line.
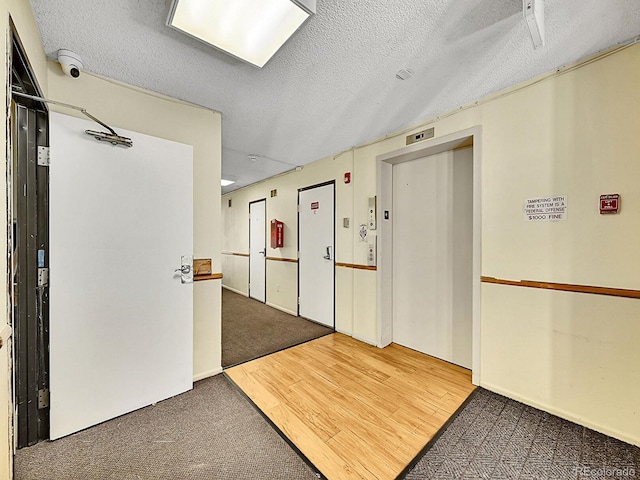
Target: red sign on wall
pixel 609 203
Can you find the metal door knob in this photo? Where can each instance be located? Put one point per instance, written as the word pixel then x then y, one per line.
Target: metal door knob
pixel 184 269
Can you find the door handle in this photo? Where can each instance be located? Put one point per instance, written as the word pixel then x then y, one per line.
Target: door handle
pixel 262 252
pixel 186 269
pixel 328 255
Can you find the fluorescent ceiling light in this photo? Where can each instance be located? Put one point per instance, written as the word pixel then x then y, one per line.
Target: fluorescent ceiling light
pixel 251 30
pixel 226 183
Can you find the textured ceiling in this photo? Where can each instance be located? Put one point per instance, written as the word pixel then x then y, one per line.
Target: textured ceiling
pixel 333 85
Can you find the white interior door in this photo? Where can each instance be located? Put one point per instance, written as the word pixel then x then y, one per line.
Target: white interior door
pixel 121 320
pixel 316 271
pixel 432 255
pixel 257 250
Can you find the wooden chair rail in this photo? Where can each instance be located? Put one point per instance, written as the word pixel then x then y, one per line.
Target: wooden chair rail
pixel 212 276
pixel 565 287
pixel 280 259
pixel 355 266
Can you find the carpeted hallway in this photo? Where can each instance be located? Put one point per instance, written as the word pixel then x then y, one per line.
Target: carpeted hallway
pixel 210 432
pixel 251 329
pixel 495 437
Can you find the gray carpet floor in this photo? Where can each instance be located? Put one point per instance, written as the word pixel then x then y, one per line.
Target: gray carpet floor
pixel 251 329
pixel 494 437
pixel 211 432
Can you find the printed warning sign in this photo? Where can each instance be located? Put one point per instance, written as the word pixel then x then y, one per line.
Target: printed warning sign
pixel 315 205
pixel 545 209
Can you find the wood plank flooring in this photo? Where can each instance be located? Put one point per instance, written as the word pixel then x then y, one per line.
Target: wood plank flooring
pixel 355 411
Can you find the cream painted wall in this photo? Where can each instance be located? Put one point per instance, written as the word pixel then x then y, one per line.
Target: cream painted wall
pixel 134 109
pixel 571 354
pixel 236 273
pixel 281 293
pixel 570 133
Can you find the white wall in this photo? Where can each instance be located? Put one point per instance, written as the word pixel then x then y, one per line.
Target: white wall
pixel 571 133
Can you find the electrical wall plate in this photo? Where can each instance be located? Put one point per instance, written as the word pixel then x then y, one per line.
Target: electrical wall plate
pixel 371 253
pixel 372 213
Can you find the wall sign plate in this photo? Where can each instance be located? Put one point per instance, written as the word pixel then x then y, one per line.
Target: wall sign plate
pixel 609 203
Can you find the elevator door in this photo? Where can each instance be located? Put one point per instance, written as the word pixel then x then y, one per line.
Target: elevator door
pixel 432 255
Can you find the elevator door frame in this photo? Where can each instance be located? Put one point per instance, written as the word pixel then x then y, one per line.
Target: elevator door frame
pixel 384 163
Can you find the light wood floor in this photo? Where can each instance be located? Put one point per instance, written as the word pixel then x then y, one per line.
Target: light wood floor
pixel 356 411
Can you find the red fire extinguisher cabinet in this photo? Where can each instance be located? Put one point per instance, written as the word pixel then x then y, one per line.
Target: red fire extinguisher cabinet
pixel 277 234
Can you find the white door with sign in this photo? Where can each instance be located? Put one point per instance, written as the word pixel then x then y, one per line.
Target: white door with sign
pixel 257 250
pixel 121 334
pixel 316 263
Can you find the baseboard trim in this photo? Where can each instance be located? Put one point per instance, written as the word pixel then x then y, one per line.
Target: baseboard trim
pixel 365 340
pixel 235 291
pixel 207 374
pixel 282 309
pixel 563 414
pixel 356 337
pixel 344 332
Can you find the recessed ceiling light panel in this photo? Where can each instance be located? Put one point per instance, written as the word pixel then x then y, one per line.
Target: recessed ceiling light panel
pixel 251 30
pixel 226 183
